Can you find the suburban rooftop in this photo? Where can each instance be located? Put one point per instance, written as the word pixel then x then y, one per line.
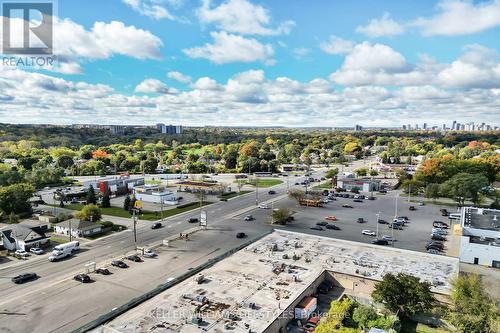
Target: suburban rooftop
pixel 482 218
pixel 247 277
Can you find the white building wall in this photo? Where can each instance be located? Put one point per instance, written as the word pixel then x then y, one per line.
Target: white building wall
pixel 486 254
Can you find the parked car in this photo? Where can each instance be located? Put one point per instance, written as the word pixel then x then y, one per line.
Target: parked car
pixel 332 227
pixel 148 253
pixel 134 258
pixel 22 253
pixel 388 238
pixel 380 242
pixel 331 218
pixel 361 220
pixel 271 192
pixel 347 206
pixel 22 278
pixel 193 220
pixel 316 227
pixel 412 208
pixel 382 191
pixel 421 203
pixel 248 218
pixel 84 278
pixel 444 212
pixel 311 324
pixel 241 235
pixel 433 251
pixel 357 200
pixel 440 224
pixel 435 245
pixel 322 223
pixel 395 226
pixel 438 237
pixel 36 250
pixel 380 221
pixel 156 225
pixel 119 263
pixel 223 199
pixel 103 271
pixel 371 198
pixel 368 232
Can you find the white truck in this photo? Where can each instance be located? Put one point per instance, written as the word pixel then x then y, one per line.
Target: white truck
pixel 64 250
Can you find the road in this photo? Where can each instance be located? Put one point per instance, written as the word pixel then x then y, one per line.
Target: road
pixel 64 304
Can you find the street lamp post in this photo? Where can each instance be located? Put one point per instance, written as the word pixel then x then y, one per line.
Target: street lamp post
pixel 378 218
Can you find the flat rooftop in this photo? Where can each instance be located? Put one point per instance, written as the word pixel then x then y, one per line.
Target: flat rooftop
pixel 247 277
pixel 481 218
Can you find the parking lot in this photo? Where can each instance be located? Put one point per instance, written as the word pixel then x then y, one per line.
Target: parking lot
pixel 414 236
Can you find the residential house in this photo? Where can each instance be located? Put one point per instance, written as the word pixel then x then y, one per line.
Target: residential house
pixel 22 237
pixel 78 228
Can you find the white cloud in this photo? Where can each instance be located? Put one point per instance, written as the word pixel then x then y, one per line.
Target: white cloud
pixel 337 45
pixel 301 52
pixel 247 98
pixel 150 8
pixel 378 64
pixel 153 86
pixel 458 17
pixel 242 17
pixel 178 76
pixel 385 26
pixel 228 48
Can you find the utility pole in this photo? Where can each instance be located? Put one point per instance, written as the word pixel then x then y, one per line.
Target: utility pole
pixel 378 218
pixel 70 231
pixel 256 191
pixel 409 192
pixel 134 217
pixel 161 208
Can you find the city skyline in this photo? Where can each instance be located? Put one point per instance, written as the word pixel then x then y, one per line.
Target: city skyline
pixel 263 64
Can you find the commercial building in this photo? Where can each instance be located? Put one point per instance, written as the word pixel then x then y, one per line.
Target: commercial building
pixel 117 184
pixel 364 185
pixel 480 240
pixel 169 129
pixel 155 194
pixel 293 167
pixel 262 287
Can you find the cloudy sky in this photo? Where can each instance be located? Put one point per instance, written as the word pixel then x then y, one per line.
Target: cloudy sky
pixel 274 62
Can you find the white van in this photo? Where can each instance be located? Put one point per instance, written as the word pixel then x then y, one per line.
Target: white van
pixel 455 216
pixel 64 250
pixel 72 246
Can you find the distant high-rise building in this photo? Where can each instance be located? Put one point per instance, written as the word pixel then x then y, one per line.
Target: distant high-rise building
pixel 169 129
pixel 424 126
pixel 454 125
pixel 358 128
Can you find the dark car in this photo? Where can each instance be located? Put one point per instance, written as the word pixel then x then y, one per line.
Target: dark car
pixel 241 235
pixel 271 192
pixel 103 271
pixel 412 208
pixel 156 225
pixel 297 184
pixel 119 263
pixel 444 212
pixel 382 191
pixel 395 226
pixel 371 198
pixel 223 199
pixel 22 278
pixel 438 237
pixel 84 278
pixel 332 227
pixel 380 242
pixel 440 224
pixel 380 221
pixel 435 245
pixel 357 200
pixel 193 220
pixel 316 227
pixel 347 206
pixel 345 195
pixel 361 220
pixel 322 223
pixel 134 258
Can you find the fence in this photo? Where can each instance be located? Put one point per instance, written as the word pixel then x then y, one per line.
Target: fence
pixel 162 287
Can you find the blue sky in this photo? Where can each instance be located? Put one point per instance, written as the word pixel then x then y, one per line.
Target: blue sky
pixel 246 62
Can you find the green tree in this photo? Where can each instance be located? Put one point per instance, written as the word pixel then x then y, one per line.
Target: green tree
pixel 280 216
pixel 473 311
pixel 106 203
pixel 65 161
pixel 361 172
pixel 373 172
pixel 149 165
pixel 296 194
pixel 126 203
pixel 89 212
pixel 332 173
pixel 364 314
pixel 404 294
pixel 432 191
pixel 15 198
pixel 464 186
pixel 91 196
